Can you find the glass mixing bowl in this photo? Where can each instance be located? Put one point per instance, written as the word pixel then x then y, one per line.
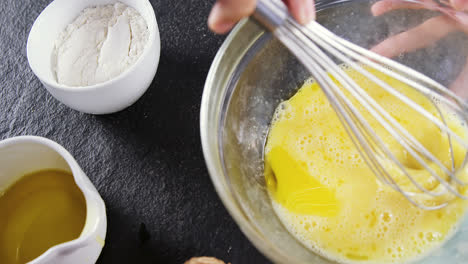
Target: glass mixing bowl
pixel 252 73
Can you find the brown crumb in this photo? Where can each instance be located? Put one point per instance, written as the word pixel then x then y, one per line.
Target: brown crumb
pixel 204 260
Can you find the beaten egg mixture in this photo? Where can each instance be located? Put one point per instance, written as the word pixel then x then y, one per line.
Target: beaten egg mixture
pixel 328 198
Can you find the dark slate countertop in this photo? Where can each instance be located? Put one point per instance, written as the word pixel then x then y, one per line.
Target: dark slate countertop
pixel 146 161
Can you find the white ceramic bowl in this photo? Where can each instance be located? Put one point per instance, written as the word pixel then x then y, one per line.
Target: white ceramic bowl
pixel 27 154
pixel 108 97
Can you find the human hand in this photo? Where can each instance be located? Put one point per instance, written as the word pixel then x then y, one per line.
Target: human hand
pixel 423 35
pixel 226 13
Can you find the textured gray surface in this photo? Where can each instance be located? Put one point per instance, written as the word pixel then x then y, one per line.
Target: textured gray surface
pixel 146 161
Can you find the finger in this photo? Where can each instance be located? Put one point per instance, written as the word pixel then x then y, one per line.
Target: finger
pixel 461 5
pixel 460 85
pixel 302 10
pixel 384 6
pixel 226 13
pixel 418 37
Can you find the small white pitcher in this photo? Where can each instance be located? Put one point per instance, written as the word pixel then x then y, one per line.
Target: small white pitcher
pixel 22 155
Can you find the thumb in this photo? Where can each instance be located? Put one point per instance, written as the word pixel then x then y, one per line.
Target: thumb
pixel 226 13
pixel 302 10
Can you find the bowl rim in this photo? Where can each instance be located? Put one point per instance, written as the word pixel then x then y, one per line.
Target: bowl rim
pixel 154 41
pixel 212 159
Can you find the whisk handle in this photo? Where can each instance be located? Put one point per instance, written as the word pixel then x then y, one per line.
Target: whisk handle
pixel 270 13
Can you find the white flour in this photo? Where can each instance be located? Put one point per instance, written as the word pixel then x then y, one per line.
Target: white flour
pixel 99 45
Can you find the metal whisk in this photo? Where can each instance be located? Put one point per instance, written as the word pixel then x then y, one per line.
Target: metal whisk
pixel 318 49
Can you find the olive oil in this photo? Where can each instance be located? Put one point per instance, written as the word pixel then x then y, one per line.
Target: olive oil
pixel 39 211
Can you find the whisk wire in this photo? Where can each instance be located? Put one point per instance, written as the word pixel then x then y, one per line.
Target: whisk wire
pixel 335 95
pixel 392 74
pixel 439 97
pixel 356 133
pixel 309 45
pixel 369 102
pixel 447 94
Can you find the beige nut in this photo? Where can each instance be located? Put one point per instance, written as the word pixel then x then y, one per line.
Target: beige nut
pixel 204 260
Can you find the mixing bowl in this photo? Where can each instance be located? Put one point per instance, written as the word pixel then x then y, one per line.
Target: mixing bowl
pixel 252 73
